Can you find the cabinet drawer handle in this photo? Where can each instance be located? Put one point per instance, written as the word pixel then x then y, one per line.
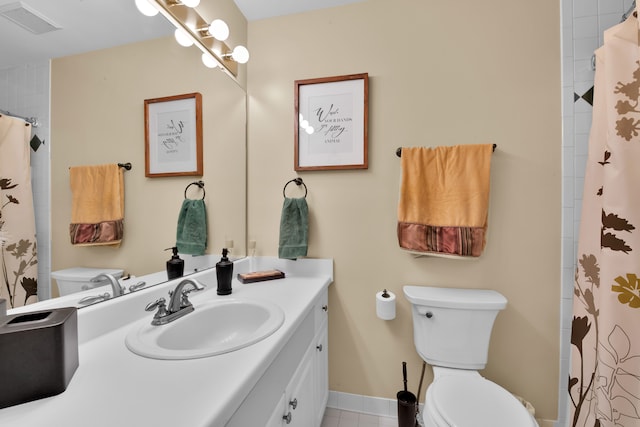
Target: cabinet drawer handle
pixel 319 347
pixel 293 403
pixel 287 418
pixel 325 307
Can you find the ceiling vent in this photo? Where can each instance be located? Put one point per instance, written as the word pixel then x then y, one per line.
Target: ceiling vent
pixel 22 15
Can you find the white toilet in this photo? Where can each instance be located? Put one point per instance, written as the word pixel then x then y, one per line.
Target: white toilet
pixel 78 279
pixel 451 331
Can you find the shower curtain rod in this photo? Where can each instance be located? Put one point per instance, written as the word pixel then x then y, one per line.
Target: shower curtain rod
pixel 33 121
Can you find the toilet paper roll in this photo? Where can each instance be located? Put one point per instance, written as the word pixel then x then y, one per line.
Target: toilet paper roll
pixel 386 305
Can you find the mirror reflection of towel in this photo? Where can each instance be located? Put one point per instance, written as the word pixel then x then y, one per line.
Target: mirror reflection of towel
pixel 97 206
pixel 294 228
pixel 191 236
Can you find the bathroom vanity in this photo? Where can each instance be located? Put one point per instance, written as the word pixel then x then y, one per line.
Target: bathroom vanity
pixel 279 380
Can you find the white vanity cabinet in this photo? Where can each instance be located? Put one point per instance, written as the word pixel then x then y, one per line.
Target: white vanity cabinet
pixel 321 357
pixel 294 390
pixel 297 408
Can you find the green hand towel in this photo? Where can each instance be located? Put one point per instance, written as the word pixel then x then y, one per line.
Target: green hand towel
pixel 294 228
pixel 191 237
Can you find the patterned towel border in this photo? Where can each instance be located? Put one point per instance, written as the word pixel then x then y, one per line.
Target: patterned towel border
pixel 462 241
pixel 102 233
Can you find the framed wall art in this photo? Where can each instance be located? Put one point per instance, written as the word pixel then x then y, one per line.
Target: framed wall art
pixel 173 135
pixel 331 119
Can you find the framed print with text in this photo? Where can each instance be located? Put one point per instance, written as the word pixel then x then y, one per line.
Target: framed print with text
pixel 331 119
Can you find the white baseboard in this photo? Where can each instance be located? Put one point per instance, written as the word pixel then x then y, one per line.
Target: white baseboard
pixel 383 407
pixel 363 404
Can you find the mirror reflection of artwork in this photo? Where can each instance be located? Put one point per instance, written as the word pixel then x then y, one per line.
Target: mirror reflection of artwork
pixel 173 135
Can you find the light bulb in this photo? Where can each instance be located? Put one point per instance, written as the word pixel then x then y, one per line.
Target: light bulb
pixel 191 3
pixel 219 29
pixel 309 130
pixel 208 61
pixel 182 37
pixel 240 54
pixel 146 8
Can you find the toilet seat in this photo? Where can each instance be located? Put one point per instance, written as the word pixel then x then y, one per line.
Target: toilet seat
pixel 473 401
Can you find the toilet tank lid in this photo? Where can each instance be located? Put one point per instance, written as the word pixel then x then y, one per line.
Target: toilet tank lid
pixel 84 274
pixel 478 299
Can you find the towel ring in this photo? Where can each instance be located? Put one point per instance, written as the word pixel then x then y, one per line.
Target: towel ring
pixel 199 184
pixel 298 182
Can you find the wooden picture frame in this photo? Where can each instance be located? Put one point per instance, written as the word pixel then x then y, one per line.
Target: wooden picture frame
pixel 331 123
pixel 173 136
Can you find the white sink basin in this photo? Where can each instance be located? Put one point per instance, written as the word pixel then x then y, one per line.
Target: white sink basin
pixel 214 327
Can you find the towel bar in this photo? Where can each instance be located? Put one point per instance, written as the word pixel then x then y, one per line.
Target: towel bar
pixel 399 150
pixel 126 166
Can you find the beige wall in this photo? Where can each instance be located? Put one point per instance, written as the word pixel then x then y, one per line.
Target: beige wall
pixel 441 73
pixel 97 117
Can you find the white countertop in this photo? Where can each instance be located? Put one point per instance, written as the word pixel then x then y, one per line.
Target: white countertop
pixel 115 387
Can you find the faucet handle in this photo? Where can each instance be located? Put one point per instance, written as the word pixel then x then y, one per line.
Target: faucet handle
pixel 161 305
pixel 184 297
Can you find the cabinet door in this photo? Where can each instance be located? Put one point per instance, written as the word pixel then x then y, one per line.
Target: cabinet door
pixel 321 374
pixel 300 394
pixel 276 419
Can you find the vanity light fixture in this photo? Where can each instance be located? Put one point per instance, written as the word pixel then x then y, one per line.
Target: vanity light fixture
pixel 209 61
pixel 192 28
pixel 146 8
pixel 183 38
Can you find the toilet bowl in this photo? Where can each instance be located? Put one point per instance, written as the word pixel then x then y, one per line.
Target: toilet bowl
pixel 465 398
pixel 77 279
pixel 452 329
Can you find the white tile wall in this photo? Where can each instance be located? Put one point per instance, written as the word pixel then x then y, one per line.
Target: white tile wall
pixel 24 90
pixel 583 24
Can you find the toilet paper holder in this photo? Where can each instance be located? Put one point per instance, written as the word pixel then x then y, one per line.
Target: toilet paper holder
pixel 386 305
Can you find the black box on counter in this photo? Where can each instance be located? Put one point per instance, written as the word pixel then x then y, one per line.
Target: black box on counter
pixel 38 354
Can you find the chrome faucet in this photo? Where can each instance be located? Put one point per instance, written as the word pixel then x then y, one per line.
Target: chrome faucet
pixel 179 303
pixel 115 285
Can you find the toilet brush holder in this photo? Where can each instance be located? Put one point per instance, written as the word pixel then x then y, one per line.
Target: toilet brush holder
pixel 407 403
pixel 406 409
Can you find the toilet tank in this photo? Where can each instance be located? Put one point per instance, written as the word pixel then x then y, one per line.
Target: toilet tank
pixel 452 327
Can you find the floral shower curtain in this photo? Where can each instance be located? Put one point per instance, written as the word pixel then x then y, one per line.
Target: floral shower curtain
pixel 18 254
pixel 604 382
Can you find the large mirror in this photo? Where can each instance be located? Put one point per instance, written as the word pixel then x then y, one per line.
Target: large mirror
pixel 97 116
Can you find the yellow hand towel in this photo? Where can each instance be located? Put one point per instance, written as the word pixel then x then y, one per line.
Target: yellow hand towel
pixel 444 199
pixel 97 210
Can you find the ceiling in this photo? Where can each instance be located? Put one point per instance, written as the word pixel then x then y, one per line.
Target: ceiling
pixel 87 25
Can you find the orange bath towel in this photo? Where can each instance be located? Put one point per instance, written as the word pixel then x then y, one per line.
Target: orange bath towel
pixel 444 199
pixel 97 209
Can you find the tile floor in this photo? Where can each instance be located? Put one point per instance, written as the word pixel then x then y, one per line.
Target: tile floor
pixel 338 418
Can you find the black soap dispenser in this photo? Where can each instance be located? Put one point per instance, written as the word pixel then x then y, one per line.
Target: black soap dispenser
pixel 175 266
pixel 224 273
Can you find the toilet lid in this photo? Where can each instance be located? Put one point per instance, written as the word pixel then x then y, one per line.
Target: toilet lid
pixel 475 401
